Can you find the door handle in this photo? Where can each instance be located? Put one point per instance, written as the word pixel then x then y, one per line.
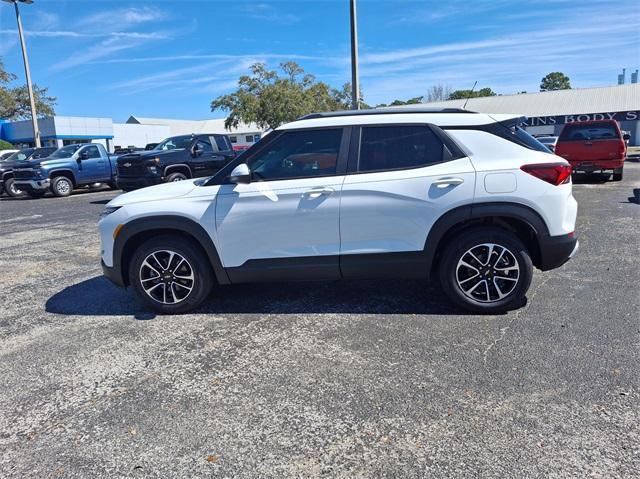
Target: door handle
pixel 446 182
pixel 317 192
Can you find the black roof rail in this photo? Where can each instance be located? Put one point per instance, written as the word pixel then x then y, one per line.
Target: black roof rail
pixel 383 111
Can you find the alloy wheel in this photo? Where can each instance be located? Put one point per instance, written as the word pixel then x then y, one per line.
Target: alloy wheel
pixel 63 187
pixel 167 277
pixel 487 272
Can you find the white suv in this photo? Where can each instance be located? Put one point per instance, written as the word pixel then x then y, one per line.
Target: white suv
pixel 417 193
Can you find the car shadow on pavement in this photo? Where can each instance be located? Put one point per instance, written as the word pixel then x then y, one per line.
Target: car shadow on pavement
pixel 635 199
pixel 98 297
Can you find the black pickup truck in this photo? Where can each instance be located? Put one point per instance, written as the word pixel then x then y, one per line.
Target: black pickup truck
pixel 175 159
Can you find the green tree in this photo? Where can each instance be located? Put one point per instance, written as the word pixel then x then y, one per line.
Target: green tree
pixel 270 99
pixel 14 101
pixel 410 101
pixel 5 145
pixel 464 94
pixel 555 81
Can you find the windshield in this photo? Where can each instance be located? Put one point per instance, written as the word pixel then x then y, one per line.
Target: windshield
pixel 175 143
pixel 21 155
pixel 66 151
pixel 547 140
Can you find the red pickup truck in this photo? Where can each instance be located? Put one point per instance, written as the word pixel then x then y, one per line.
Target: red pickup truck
pixel 593 146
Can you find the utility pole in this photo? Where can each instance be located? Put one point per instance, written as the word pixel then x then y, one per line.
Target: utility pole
pixel 355 80
pixel 34 116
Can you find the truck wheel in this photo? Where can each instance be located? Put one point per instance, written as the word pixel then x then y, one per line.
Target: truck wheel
pixel 486 270
pixel 61 186
pixel 617 174
pixel 11 188
pixel 170 275
pixel 176 177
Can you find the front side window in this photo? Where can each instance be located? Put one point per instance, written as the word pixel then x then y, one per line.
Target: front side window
pixel 298 154
pixel 398 147
pixel 589 131
pixel 204 146
pixel 92 152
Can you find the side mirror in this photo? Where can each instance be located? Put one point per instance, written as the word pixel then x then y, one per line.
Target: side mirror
pixel 240 174
pixel 626 137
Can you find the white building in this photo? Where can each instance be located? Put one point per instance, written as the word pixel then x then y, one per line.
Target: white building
pixel 136 132
pixel 547 112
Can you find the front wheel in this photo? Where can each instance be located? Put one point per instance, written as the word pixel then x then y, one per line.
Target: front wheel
pixel 486 270
pixel 61 186
pixel 176 177
pixel 170 274
pixel 12 190
pixel 617 174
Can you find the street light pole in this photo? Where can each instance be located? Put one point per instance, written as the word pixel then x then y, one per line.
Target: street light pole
pixel 355 80
pixel 34 116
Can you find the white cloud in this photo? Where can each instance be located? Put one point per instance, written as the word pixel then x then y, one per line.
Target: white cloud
pixel 269 13
pixel 124 17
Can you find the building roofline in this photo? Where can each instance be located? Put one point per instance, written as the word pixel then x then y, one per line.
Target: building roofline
pixel 383 111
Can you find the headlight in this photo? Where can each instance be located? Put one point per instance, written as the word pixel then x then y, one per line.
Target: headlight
pixel 108 210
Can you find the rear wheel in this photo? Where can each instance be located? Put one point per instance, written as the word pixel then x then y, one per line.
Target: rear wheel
pixel 486 270
pixel 11 188
pixel 617 174
pixel 61 186
pixel 170 274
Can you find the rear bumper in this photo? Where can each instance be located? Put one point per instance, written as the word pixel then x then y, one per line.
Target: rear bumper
pixel 113 274
pixel 32 185
pixel 135 183
pixel 557 250
pixel 598 165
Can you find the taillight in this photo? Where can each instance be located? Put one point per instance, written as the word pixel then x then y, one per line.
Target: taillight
pixel 554 173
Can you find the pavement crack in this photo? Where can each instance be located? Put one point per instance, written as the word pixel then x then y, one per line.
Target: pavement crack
pixel 516 316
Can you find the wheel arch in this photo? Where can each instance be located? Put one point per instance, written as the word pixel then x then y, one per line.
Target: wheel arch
pixel 134 233
pixel 68 173
pixel 519 219
pixel 180 168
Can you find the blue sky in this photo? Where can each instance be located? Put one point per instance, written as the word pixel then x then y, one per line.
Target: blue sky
pixel 171 58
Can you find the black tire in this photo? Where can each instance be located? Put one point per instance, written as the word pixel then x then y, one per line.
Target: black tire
pixel 11 189
pixel 61 186
pixel 196 262
pixel 617 174
pixel 36 194
pixel 494 282
pixel 176 177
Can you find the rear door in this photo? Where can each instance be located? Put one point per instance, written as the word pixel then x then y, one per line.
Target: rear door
pixel 402 179
pixel 285 222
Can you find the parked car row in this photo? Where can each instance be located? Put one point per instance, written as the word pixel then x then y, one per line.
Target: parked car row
pixel 34 171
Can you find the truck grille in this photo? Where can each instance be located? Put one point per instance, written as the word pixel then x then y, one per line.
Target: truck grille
pixel 130 168
pixel 23 174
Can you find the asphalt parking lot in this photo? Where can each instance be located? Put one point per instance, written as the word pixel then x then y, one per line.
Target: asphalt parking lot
pixel 366 379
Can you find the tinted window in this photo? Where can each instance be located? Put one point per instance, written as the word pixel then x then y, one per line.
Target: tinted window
pixel 589 131
pixel 234 139
pixel 65 151
pixel 395 147
pixel 204 146
pixel 297 154
pixel 222 142
pixel 42 152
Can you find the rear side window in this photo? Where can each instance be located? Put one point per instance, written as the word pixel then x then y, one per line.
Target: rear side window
pixel 399 147
pixel 298 154
pixel 222 142
pixel 589 131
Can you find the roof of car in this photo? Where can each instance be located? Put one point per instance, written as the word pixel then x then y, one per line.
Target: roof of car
pixel 438 116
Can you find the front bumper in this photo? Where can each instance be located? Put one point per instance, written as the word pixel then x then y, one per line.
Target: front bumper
pixel 33 185
pixel 557 250
pixel 113 274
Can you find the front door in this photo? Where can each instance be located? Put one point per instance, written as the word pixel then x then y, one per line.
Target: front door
pixel 284 224
pixel 94 167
